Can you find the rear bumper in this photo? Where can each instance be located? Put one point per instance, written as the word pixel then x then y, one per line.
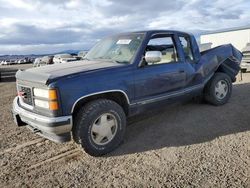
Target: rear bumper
pixel 54 128
pixel 245 66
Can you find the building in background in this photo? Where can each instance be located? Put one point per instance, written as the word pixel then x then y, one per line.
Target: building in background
pixel 239 37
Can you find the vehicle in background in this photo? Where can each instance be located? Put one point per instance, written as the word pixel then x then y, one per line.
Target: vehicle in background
pixel 245 64
pixel 37 62
pixel 22 61
pixel 122 76
pixel 7 62
pixel 12 62
pixel 62 58
pixel 82 54
pixel 69 60
pixel 3 62
pixel 46 60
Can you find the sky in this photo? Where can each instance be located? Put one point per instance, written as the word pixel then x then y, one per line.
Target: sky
pixel 39 26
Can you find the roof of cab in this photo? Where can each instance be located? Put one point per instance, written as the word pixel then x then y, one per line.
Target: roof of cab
pixel 161 31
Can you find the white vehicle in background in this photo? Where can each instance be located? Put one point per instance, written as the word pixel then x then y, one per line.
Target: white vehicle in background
pixel 245 63
pixel 42 61
pixel 3 62
pixel 82 54
pixel 68 60
pixel 7 62
pixel 22 61
pixel 37 62
pixel 63 58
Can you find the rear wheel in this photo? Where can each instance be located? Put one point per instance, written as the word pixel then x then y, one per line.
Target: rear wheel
pixel 99 126
pixel 219 89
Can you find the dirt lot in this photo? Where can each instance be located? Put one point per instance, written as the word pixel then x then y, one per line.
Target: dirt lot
pixel 186 145
pixel 16 66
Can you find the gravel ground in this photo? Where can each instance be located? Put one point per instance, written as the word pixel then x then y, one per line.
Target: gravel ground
pixel 184 145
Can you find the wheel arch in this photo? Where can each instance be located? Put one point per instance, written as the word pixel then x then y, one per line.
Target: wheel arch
pixel 118 96
pixel 229 67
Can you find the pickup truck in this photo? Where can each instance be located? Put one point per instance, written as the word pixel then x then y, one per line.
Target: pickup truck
pixel 121 76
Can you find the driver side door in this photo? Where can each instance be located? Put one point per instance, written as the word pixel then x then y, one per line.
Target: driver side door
pixel 154 81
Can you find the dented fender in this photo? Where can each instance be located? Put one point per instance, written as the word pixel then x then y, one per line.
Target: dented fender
pixel 225 58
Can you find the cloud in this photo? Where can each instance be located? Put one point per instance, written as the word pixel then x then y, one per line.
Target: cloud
pixel 29 26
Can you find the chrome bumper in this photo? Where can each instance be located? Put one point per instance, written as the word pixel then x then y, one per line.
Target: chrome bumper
pixel 54 128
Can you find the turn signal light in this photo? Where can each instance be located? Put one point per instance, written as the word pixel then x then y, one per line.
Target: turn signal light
pixel 52 94
pixel 53 105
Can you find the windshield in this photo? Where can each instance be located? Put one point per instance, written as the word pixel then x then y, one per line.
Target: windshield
pixel 120 49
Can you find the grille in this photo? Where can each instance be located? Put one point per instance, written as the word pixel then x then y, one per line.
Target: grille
pixel 27 96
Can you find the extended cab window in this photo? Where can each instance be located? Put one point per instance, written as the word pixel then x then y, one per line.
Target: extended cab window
pixel 166 46
pixel 186 44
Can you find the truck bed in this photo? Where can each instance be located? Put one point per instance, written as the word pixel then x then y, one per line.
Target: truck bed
pixel 224 58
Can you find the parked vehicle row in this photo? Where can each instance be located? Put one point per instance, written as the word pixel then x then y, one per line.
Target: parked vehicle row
pixel 59 58
pixel 15 61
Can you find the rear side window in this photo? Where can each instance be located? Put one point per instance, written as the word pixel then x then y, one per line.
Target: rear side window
pixel 186 44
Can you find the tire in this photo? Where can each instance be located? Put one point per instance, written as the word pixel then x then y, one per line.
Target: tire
pixel 96 119
pixel 213 94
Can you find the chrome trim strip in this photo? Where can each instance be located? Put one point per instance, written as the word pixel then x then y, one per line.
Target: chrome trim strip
pixel 38 120
pixel 198 86
pixel 101 92
pixel 173 94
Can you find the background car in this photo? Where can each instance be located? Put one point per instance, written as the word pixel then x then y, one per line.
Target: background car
pixel 62 58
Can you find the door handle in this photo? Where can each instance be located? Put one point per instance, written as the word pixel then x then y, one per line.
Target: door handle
pixel 181 71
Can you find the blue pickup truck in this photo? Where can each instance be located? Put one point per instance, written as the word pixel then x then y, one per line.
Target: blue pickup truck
pixel 121 76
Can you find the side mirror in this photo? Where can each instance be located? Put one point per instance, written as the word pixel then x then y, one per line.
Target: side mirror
pixel 153 56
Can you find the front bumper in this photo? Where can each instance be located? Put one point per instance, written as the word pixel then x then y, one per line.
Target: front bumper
pixel 54 128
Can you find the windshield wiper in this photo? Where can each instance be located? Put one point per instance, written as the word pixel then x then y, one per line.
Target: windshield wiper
pixel 112 60
pixel 121 62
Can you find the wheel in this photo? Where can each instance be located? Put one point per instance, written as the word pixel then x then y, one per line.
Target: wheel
pixel 219 89
pixel 99 126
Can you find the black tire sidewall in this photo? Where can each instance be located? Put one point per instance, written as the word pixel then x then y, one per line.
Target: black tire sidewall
pixel 85 126
pixel 212 97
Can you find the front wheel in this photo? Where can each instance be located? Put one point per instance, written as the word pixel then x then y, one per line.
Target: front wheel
pixel 99 126
pixel 219 89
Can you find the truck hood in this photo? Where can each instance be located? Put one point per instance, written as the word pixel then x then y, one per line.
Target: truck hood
pixel 48 73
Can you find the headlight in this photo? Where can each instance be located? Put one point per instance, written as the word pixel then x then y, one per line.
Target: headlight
pixel 44 93
pixel 46 98
pixel 41 103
